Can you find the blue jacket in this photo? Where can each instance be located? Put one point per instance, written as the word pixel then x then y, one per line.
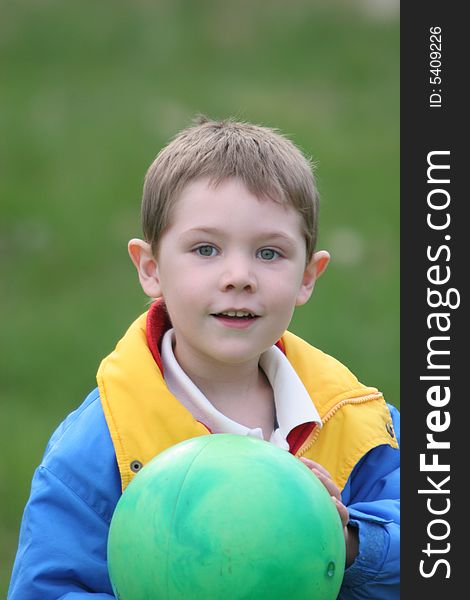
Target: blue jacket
pixel 63 537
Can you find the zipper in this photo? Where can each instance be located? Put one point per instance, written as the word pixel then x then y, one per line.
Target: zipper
pixel 312 438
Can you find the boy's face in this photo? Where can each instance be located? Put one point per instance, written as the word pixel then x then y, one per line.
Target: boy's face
pixel 228 253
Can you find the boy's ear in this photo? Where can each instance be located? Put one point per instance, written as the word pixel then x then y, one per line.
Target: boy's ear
pixel 313 270
pixel 146 265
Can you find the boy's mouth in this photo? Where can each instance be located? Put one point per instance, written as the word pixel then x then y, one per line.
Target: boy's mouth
pixel 236 314
pixel 236 318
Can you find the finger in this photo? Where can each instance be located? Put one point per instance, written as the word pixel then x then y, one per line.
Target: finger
pixel 330 485
pixel 311 464
pixel 342 511
pixel 323 476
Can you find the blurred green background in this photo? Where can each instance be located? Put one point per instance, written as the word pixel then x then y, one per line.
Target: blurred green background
pixel 89 93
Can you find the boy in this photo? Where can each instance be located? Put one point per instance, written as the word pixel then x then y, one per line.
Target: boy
pixel 229 216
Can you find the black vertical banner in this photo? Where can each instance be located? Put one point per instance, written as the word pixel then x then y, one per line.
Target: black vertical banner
pixel 435 235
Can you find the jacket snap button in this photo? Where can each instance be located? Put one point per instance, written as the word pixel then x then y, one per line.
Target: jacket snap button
pixel 390 431
pixel 136 465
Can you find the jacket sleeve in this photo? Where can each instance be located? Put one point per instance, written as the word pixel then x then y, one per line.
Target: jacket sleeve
pixel 372 495
pixel 62 546
pixel 63 537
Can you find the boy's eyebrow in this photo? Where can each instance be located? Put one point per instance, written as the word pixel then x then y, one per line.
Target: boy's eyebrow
pixel 211 230
pixel 268 235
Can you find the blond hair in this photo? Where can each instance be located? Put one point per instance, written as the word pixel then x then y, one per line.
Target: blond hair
pixel 268 164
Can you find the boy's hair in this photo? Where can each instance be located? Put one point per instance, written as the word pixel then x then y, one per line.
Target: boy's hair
pixel 263 159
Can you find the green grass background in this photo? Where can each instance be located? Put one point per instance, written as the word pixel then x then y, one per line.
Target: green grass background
pixel 89 92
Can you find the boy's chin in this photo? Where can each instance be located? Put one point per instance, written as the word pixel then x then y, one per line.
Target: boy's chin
pixel 238 354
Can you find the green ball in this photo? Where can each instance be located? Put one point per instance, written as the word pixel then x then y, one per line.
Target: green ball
pixel 225 516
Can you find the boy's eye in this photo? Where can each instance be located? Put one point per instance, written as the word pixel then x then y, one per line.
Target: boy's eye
pixel 206 250
pixel 268 254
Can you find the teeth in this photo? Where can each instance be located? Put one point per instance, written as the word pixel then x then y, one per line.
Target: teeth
pixel 237 313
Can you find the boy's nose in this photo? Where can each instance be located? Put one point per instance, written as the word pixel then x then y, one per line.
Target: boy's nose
pixel 238 275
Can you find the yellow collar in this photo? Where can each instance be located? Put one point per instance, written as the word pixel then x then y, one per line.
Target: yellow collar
pixel 144 418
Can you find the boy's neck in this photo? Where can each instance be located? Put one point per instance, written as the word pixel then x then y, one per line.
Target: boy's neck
pixel 241 392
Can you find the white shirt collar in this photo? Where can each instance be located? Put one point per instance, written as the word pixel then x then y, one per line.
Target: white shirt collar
pixel 293 403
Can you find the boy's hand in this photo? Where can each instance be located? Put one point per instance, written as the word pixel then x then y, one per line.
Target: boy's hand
pixel 350 533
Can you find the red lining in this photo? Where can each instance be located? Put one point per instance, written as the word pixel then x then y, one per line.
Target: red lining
pixel 298 435
pixel 158 321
